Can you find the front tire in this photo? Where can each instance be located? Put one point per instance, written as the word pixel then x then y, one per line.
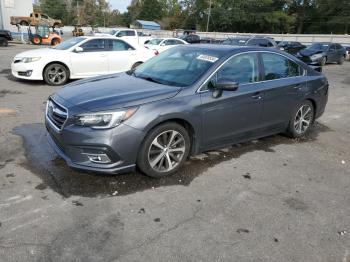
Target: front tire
pixel 301 120
pixel 164 150
pixel 323 61
pixel 37 40
pixel 56 74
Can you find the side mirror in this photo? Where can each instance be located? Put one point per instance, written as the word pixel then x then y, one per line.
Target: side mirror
pixel 226 85
pixel 78 49
pixel 223 85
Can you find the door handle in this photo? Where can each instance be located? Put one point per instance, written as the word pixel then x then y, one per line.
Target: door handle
pixel 256 96
pixel 298 87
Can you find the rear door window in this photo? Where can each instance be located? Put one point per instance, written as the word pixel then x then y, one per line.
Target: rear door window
pixel 278 67
pixel 118 45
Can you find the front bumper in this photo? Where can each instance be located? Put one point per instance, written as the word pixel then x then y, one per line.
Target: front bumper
pixel 310 61
pixel 30 71
pixel 75 144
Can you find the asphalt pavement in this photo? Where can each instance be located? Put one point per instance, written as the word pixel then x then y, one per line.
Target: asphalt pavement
pixel 273 199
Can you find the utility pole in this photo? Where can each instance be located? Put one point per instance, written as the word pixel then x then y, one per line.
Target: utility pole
pixel 209 15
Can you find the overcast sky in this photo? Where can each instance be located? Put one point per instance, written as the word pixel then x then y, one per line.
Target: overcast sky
pixel 119 4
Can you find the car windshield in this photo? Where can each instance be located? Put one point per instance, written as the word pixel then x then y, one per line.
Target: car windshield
pixel 179 66
pixel 113 32
pixel 235 41
pixel 155 41
pixel 318 46
pixel 69 43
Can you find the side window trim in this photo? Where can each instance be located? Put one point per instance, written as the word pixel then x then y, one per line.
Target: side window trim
pixel 260 68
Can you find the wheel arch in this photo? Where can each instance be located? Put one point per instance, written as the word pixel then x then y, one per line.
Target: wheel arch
pixel 55 38
pixel 57 62
pixel 182 122
pixel 314 104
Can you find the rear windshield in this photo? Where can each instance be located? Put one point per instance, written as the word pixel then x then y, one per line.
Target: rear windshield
pixel 235 41
pixel 154 42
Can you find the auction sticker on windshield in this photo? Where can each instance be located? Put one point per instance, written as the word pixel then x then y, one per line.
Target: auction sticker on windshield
pixel 208 58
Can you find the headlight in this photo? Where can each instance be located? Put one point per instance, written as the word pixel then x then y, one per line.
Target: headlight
pixel 316 56
pixel 30 59
pixel 104 120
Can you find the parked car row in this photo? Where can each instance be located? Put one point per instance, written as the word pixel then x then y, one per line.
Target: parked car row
pixel 315 54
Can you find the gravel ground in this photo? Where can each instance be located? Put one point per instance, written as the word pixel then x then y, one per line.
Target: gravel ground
pixel 272 199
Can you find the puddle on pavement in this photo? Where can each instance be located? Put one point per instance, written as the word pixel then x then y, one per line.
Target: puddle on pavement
pixel 5 92
pixel 54 173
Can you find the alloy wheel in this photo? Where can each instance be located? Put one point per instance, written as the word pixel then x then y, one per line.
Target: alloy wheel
pixel 303 119
pixel 166 151
pixel 57 75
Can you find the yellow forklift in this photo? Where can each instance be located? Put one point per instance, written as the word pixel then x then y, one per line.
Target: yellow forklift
pixel 78 31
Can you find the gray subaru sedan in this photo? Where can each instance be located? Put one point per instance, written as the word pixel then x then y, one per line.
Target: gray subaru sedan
pixel 187 100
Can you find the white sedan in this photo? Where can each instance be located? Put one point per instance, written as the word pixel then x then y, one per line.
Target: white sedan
pixel 79 57
pixel 162 44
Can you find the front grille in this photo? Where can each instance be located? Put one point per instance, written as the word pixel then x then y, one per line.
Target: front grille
pixel 56 113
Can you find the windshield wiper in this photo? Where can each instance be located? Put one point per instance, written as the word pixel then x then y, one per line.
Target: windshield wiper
pixel 151 79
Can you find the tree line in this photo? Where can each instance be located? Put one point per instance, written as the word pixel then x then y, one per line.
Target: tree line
pixel 251 16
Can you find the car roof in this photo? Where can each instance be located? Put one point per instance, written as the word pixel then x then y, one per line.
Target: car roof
pixel 230 49
pixel 99 36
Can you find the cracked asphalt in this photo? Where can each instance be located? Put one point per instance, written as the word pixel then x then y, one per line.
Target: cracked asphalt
pixel 272 199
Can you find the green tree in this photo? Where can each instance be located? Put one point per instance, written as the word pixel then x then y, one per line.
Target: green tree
pixel 151 10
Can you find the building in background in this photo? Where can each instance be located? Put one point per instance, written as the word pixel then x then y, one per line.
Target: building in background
pixel 10 8
pixel 142 24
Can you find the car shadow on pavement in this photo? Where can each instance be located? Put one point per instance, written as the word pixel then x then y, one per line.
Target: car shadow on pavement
pixel 55 174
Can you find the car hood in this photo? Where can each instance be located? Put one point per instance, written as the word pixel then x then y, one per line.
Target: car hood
pixel 115 91
pixel 41 52
pixel 310 52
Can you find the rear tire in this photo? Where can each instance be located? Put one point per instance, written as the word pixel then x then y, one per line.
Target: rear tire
pixel 301 120
pixel 164 150
pixel 56 74
pixel 4 41
pixel 341 60
pixel 24 23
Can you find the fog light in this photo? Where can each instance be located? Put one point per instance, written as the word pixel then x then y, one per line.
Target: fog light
pixel 99 158
pixel 25 73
